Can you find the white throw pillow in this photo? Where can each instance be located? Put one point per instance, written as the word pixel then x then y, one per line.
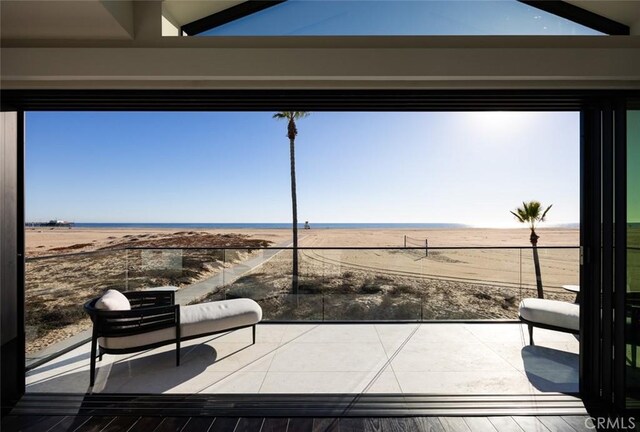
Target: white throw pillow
pixel 113 300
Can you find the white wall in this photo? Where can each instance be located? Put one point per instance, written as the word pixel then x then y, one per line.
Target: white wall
pixel 150 60
pixel 8 226
pixel 168 28
pixel 320 63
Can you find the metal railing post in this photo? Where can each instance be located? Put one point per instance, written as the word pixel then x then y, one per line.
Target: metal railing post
pixel 520 274
pixel 126 269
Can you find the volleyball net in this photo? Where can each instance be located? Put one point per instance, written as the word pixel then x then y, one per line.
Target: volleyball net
pixel 414 242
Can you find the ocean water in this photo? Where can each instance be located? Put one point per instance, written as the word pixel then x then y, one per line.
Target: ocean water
pixel 319 225
pixel 269 225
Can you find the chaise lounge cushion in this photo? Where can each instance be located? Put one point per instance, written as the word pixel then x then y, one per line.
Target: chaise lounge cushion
pixel 198 319
pixel 551 312
pixel 113 300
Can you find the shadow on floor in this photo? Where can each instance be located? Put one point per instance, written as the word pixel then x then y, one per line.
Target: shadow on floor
pixel 156 373
pixel 551 370
pixel 57 363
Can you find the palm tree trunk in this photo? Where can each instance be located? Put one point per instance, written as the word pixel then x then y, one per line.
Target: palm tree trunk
pixel 536 263
pixel 294 204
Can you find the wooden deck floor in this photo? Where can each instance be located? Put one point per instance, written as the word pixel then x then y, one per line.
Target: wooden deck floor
pixel 297 424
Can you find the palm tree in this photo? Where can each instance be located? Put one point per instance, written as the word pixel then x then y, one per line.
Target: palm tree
pixel 530 214
pixel 292 131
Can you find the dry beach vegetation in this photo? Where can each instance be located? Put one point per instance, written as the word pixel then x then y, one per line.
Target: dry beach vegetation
pixel 66 267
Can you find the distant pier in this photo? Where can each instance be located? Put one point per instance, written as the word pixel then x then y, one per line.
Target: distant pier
pixel 50 224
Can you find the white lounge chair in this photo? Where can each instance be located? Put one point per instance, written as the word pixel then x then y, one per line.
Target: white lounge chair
pixel 136 321
pixel 551 315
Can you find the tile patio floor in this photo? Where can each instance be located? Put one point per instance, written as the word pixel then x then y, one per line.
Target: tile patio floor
pixel 334 358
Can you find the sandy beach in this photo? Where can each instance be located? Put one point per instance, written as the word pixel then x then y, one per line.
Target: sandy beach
pixel 53 241
pixel 66 267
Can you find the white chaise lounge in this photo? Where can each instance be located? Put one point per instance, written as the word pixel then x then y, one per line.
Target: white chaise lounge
pixel 136 321
pixel 550 314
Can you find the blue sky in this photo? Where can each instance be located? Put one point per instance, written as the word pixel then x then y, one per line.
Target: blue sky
pixel 401 17
pixel 397 167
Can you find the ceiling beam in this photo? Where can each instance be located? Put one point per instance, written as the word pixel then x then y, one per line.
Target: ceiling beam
pixel 228 15
pixel 580 16
pixel 302 100
pixel 612 63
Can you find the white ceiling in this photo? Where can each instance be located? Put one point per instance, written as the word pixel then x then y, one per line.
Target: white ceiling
pixel 182 12
pixel 65 19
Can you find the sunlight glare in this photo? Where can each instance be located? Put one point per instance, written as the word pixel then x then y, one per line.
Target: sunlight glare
pixel 500 122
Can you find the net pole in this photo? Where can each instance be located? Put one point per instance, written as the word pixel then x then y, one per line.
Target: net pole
pixel 426 247
pixel 405 241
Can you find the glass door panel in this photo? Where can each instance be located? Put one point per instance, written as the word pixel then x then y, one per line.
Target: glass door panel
pixel 632 323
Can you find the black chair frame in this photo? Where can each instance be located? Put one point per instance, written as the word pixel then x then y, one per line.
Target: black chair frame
pixel 150 311
pixel 532 324
pixel 632 326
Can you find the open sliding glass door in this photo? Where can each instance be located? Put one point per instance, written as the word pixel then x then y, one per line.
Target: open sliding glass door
pixel 610 256
pixel 632 301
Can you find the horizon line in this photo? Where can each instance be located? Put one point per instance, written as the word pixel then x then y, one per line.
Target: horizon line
pixel 310 223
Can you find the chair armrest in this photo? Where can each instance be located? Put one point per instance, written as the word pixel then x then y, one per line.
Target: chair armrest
pixel 144 299
pixel 136 321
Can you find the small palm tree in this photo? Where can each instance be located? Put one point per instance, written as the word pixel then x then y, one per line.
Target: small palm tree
pixel 530 214
pixel 292 131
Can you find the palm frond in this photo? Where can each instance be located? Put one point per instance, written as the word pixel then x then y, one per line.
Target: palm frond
pixel 300 114
pixel 530 213
pixel 517 216
pixel 524 215
pixel 291 115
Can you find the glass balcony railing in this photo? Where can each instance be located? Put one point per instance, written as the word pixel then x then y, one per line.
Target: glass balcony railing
pixel 333 284
pixel 56 287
